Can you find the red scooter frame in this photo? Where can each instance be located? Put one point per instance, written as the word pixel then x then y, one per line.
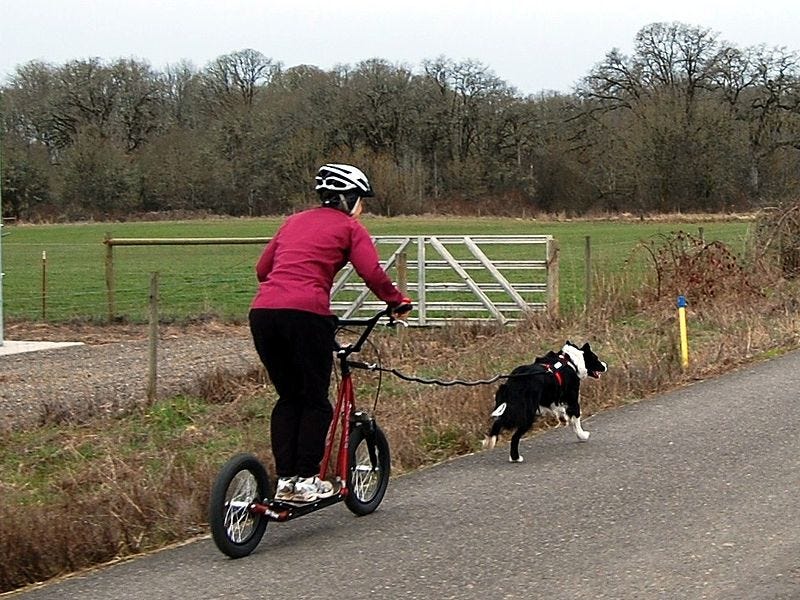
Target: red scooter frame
pixel 240 506
pixel 344 411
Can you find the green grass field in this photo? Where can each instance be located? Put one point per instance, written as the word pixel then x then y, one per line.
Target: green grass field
pixel 219 280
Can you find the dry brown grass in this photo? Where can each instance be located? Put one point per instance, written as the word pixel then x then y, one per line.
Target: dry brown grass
pixel 80 494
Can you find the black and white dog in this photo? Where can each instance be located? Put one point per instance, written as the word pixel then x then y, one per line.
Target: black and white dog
pixel 551 385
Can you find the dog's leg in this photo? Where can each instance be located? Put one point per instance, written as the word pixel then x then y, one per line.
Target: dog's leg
pixel 514 455
pixel 490 440
pixel 579 431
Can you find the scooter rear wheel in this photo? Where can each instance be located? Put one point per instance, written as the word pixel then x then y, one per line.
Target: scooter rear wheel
pixel 235 527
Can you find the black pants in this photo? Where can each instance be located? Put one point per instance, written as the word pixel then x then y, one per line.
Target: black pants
pixel 296 348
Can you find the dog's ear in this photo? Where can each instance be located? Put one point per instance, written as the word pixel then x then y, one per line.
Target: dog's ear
pixel 586 347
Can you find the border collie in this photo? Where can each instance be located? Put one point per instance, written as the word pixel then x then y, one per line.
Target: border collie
pixel 551 385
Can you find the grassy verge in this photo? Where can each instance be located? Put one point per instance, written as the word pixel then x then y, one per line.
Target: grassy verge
pixel 80 494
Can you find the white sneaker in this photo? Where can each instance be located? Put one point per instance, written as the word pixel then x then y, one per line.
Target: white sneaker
pixel 309 489
pixel 285 488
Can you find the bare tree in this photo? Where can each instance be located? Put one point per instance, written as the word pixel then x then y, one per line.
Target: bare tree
pixel 241 73
pixel 686 122
pixel 662 91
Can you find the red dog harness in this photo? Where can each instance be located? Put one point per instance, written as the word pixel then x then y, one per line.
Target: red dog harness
pixel 557 367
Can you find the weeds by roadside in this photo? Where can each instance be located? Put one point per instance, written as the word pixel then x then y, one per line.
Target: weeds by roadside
pixel 77 492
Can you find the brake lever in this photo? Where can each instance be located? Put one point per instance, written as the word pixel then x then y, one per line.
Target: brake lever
pixel 341 350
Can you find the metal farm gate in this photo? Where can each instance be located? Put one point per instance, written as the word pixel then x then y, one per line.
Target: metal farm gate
pixel 476 278
pixel 451 277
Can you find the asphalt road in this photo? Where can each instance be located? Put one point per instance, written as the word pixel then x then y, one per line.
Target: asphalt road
pixel 693 494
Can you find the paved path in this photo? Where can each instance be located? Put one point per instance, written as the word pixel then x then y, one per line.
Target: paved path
pixel 693 494
pixel 18 347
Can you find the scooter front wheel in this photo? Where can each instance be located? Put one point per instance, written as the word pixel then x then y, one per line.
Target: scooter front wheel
pixel 235 527
pixel 370 467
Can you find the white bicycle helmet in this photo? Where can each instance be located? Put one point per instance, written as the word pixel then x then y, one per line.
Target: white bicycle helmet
pixel 342 179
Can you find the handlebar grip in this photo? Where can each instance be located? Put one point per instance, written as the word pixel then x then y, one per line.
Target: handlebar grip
pixel 404 306
pixel 402 309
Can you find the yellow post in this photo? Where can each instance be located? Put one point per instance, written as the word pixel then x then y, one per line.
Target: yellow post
pixel 684 337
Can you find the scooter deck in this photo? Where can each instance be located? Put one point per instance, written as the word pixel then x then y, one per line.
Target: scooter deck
pixel 286 509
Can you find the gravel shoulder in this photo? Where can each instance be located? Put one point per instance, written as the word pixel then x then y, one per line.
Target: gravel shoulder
pixel 108 373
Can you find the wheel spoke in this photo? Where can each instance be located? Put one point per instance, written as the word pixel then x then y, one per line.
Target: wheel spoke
pixel 365 477
pixel 239 522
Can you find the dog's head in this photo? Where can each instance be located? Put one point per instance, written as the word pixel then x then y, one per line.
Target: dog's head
pixel 585 360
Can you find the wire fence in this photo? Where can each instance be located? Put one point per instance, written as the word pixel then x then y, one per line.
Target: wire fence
pixel 62 280
pixel 454 277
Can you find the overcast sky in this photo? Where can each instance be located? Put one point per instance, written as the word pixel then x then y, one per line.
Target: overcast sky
pixel 531 45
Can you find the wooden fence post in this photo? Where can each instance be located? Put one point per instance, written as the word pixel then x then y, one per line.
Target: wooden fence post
pixel 587 260
pixel 110 277
pixel 402 273
pixel 152 355
pixel 552 277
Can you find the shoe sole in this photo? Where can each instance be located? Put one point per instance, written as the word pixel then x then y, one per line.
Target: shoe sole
pixel 314 497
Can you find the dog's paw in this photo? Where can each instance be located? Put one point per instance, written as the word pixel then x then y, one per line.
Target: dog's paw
pixel 519 459
pixel 582 434
pixel 489 441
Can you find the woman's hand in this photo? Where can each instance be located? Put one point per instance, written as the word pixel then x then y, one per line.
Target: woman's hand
pixel 400 312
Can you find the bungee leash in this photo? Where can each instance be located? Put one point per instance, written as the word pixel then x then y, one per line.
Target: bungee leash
pixel 376 367
pixel 547 368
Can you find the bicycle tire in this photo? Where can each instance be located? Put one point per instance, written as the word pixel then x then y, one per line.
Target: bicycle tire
pixel 236 529
pixel 370 468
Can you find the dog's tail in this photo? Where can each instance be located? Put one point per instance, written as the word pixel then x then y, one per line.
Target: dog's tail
pixel 498 412
pixel 490 439
pixel 501 394
pixel 500 402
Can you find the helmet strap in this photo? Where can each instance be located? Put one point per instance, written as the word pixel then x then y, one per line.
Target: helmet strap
pixel 347 203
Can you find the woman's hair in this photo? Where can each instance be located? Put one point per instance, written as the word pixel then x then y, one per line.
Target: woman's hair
pixel 346 202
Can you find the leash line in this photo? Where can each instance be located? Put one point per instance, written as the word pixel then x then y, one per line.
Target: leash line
pixel 450 382
pixel 414 378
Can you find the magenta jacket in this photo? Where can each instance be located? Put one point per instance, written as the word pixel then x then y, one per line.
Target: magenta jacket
pixel 298 266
